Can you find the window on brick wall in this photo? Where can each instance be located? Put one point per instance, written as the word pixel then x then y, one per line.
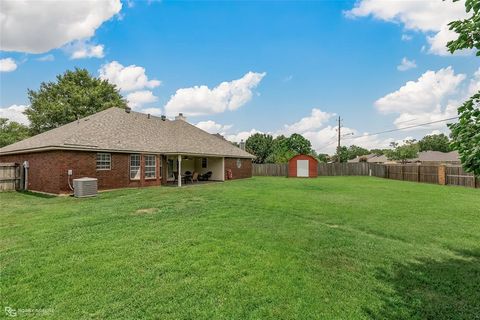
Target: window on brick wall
pixel 150 166
pixel 135 167
pixel 104 161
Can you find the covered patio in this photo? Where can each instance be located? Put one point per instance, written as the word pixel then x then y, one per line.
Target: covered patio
pixel 191 169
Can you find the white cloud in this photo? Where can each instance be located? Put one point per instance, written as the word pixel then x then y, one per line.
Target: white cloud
pixel 7 65
pixel 139 98
pixel 429 17
pixel 242 135
pixel 127 78
pixel 432 97
pixel 15 113
pixel 316 120
pixel 201 100
pixel 424 94
pixel 84 49
pixel 39 26
pixel 213 127
pixel 48 57
pixel 156 111
pixel 406 37
pixel 406 64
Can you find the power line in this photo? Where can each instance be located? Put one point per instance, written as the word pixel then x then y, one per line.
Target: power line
pixel 403 128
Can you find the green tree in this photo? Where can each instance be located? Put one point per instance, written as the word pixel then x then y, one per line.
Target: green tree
pixel 74 94
pixel 260 145
pixel 378 152
pixel 341 153
pixel 435 142
pixel 466 132
pixel 408 150
pixel 299 144
pixel 323 157
pixel 356 151
pixel 284 148
pixel 11 132
pixel 281 152
pixel 468 29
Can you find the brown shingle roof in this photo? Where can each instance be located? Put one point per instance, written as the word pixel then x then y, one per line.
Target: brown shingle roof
pixel 438 156
pixel 115 130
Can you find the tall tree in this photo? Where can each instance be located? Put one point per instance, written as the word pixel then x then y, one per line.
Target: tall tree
pixel 466 132
pixel 408 150
pixel 299 144
pixel 286 147
pixel 356 151
pixel 323 157
pixel 260 145
pixel 74 94
pixel 341 153
pixel 11 132
pixel 435 142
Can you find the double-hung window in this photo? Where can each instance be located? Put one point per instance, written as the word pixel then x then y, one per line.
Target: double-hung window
pixel 104 161
pixel 204 163
pixel 150 166
pixel 135 167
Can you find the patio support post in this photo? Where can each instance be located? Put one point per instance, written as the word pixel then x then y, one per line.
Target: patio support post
pixel 179 169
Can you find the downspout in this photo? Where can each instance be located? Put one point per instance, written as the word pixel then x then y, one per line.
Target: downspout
pixel 26 166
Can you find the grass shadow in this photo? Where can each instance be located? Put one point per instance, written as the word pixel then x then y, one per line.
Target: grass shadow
pixel 431 289
pixel 37 194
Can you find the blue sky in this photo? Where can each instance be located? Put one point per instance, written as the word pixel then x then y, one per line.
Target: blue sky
pixel 308 61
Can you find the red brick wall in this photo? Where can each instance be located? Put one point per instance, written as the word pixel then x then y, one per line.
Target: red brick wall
pixel 43 172
pixel 48 170
pixel 245 170
pixel 312 165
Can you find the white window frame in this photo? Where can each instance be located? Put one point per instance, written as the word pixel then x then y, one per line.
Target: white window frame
pixel 206 163
pixel 135 167
pixel 150 166
pixel 105 160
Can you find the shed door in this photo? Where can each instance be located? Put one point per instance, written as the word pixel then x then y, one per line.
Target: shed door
pixel 302 168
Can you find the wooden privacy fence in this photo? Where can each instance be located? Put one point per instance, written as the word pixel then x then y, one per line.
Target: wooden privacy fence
pixel 9 176
pixel 436 174
pixel 343 169
pixel 412 172
pixel 455 175
pixel 270 169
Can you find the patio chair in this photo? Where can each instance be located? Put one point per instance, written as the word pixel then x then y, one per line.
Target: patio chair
pixel 188 176
pixel 206 176
pixel 195 177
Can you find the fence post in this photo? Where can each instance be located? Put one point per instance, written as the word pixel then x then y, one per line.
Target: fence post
pixel 442 179
pixel 418 173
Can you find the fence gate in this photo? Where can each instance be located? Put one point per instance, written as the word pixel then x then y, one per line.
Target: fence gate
pixel 9 176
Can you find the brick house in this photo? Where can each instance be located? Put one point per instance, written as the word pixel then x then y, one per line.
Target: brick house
pixel 125 149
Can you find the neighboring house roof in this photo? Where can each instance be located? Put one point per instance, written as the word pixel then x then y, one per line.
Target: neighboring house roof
pixel 118 131
pixel 438 156
pixel 357 159
pixel 378 159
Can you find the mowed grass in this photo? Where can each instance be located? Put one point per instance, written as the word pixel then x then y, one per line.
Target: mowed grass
pixel 262 248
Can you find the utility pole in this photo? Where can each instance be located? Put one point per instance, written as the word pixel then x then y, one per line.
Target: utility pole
pixel 339 135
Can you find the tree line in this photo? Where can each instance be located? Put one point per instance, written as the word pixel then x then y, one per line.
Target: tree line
pixel 280 149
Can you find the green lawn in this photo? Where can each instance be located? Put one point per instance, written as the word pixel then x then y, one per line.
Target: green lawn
pixel 332 247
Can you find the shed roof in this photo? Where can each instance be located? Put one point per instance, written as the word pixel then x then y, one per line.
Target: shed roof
pixel 118 131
